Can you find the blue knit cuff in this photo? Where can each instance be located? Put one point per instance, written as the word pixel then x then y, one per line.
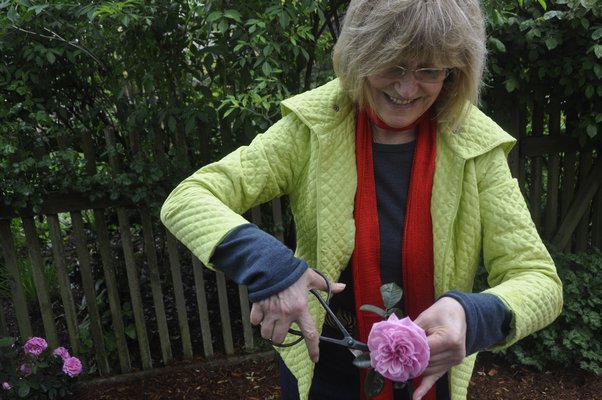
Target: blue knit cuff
pixel 487 319
pixel 256 259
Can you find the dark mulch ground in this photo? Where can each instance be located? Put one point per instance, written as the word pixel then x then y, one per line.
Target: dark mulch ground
pixel 256 378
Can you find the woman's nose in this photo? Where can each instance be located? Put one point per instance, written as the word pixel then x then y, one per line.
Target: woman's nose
pixel 406 85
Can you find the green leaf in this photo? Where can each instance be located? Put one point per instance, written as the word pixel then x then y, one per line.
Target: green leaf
pixel 597 34
pixel 24 389
pixel 373 384
pixel 397 311
pixel 598 50
pixel 50 57
pixel 402 385
pixel 391 294
pixel 551 43
pixel 543 4
pixel 266 68
pixel 592 131
pixel 362 361
pixel 233 14
pixel 223 26
pixel 214 16
pixel 511 84
pixel 374 309
pixel 38 9
pixel 12 14
pixel 7 341
pixel 283 20
pixel 130 331
pixel 498 44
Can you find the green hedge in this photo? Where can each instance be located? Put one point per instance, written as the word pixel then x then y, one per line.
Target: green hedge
pixel 574 340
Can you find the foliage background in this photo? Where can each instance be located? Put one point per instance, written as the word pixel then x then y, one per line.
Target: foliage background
pixel 181 83
pixel 178 84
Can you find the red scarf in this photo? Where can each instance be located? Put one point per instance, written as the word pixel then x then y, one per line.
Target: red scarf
pixel 417 246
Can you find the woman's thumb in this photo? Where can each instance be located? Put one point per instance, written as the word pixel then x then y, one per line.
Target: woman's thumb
pixel 337 287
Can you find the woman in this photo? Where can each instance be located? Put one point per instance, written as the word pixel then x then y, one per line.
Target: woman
pixel 393 175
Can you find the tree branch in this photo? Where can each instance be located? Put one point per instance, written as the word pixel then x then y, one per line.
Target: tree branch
pixel 56 36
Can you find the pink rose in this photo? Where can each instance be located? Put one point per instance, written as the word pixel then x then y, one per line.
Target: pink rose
pixel 24 368
pixel 61 352
pixel 35 346
pixel 6 386
pixel 398 349
pixel 72 366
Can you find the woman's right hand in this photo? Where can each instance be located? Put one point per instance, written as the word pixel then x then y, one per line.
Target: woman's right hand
pixel 276 313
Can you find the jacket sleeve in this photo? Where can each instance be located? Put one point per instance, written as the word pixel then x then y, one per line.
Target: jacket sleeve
pixel 520 270
pixel 206 206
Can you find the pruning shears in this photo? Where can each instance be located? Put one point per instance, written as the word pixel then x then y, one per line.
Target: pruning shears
pixel 354 345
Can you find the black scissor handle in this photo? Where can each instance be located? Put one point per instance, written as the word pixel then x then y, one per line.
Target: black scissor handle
pixel 347 340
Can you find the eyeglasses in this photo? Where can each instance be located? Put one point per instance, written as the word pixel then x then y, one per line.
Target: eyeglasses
pixel 424 75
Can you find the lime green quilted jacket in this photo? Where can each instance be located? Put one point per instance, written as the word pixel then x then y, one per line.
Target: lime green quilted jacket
pixel 479 215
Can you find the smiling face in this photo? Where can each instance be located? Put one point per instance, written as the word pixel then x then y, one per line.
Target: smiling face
pixel 399 101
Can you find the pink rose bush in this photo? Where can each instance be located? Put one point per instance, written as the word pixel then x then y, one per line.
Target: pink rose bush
pixel 398 349
pixel 35 371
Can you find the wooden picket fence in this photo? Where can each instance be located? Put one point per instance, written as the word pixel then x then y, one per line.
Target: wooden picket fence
pixel 560 173
pixel 180 310
pixel 165 276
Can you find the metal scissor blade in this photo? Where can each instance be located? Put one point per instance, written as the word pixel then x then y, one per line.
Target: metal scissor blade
pixel 348 342
pixel 355 352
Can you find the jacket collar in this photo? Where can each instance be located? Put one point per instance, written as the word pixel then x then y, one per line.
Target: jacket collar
pixel 322 109
pixel 478 135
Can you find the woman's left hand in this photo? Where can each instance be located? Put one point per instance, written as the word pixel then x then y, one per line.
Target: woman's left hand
pixel 445 326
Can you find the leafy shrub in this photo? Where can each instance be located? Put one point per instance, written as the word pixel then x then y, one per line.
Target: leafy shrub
pixel 574 340
pixel 546 54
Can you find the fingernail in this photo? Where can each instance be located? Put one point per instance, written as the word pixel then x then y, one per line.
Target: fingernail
pixel 341 285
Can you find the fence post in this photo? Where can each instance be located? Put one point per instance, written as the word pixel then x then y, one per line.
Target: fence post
pixel 18 295
pixel 224 312
pixel 176 277
pixel 134 288
pixel 104 248
pixel 58 252
pixel 587 191
pixel 155 281
pixel 3 328
pixel 201 298
pixel 37 268
pixel 552 192
pixel 85 270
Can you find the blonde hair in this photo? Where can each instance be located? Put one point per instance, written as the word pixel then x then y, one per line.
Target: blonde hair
pixel 378 34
